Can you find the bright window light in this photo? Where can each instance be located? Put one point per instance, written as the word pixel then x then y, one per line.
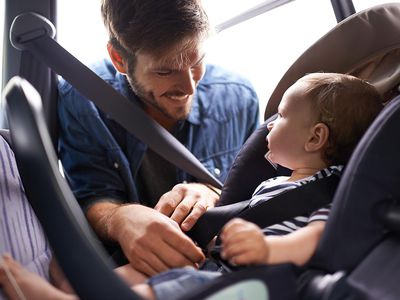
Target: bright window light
pixel 263 48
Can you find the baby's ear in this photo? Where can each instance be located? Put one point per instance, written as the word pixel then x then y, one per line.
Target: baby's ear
pixel 319 135
pixel 116 59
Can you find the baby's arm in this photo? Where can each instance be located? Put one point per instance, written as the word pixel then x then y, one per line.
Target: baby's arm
pixel 244 243
pixel 296 247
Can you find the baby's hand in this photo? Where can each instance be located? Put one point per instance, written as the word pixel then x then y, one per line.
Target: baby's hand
pixel 243 243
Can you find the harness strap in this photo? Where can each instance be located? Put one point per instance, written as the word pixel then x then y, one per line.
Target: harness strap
pixel 295 202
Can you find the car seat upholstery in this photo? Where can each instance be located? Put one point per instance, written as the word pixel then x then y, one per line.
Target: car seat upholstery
pixel 364 191
pixel 365 45
pixel 251 157
pixel 365 212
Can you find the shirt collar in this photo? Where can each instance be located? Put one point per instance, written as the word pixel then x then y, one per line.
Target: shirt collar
pixel 194 115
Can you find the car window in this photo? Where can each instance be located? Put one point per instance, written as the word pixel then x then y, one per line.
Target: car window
pixel 81 31
pixel 264 47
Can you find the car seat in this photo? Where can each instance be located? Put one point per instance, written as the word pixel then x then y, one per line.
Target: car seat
pixel 361 235
pixel 374 58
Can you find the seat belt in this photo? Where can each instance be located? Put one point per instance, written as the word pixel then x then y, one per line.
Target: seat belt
pixel 32 32
pixel 300 201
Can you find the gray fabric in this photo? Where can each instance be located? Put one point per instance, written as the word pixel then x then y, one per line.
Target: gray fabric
pixel 21 235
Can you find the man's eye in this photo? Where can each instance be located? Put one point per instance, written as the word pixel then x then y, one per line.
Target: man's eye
pixel 197 65
pixel 164 73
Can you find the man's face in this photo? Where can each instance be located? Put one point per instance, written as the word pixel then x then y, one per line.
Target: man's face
pixel 167 86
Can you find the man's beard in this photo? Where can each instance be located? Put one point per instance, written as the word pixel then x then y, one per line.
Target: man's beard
pixel 148 99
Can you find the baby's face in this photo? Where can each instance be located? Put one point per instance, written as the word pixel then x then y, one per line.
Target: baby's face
pixel 291 130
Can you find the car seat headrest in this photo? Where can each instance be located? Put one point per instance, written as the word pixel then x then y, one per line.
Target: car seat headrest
pixel 249 168
pixel 382 69
pixel 250 161
pixel 366 44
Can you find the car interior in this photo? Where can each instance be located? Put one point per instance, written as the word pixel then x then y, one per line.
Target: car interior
pixel 357 256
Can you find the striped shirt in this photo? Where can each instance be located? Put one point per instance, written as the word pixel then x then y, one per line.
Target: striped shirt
pixel 20 232
pixel 277 185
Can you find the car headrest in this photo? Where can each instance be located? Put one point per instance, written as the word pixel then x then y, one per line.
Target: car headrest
pixel 369 185
pixel 366 45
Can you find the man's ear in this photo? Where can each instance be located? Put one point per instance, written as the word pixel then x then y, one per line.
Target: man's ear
pixel 116 59
pixel 318 137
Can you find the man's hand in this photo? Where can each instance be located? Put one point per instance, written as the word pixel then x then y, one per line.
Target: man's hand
pixel 186 202
pixel 243 243
pixel 152 242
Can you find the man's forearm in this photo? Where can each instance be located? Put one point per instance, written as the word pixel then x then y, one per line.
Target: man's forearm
pixel 99 216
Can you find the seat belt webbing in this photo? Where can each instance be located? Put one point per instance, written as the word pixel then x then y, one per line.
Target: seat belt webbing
pixel 131 117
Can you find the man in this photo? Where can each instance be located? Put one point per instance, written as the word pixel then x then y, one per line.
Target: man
pixel 157 55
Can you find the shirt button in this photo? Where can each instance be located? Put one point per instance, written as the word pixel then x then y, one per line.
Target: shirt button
pixel 116 165
pixel 217 171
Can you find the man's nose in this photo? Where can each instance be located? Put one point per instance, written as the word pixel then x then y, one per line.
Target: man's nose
pixel 187 82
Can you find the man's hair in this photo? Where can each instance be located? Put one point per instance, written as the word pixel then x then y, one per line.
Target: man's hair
pixel 152 26
pixel 347 105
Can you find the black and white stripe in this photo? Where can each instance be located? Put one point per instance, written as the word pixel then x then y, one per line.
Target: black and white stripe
pixel 277 185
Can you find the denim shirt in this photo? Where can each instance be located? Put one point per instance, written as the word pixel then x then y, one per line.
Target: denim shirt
pixel 101 159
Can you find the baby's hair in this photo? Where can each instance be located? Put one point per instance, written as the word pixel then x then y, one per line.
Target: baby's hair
pixel 347 105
